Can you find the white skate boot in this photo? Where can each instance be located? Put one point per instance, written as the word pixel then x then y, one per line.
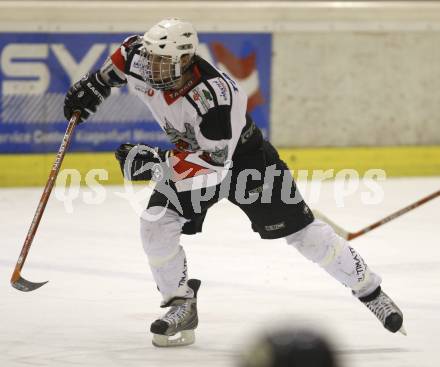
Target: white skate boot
pixel 385 310
pixel 176 327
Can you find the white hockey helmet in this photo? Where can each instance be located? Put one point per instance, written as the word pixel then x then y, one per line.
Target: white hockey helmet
pixel 164 44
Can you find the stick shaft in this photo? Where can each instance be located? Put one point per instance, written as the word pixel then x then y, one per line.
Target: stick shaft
pixel 45 196
pixel 351 235
pixel 394 215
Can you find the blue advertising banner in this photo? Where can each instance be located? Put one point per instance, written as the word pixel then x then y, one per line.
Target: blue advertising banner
pixel 38 68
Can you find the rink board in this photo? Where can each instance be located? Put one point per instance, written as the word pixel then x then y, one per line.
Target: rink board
pixel 33 169
pixel 37 69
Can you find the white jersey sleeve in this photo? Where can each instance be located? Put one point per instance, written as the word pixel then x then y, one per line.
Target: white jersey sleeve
pixel 114 69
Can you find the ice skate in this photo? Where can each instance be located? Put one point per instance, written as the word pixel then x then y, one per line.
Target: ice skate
pixel 385 310
pixel 176 327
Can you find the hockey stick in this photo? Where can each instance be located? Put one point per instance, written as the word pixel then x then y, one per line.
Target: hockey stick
pixel 351 235
pixel 17 281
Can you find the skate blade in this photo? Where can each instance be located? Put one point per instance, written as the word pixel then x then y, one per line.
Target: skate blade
pixel 186 337
pixel 403 331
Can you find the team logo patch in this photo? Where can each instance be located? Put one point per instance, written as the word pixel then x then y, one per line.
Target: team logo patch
pixel 221 90
pixel 202 97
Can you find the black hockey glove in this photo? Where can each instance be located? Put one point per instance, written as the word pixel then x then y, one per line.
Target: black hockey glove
pixel 85 96
pixel 145 163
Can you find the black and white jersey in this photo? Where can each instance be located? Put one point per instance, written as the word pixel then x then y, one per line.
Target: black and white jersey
pixel 205 119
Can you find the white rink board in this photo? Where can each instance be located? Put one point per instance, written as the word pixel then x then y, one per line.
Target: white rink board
pixel 96 309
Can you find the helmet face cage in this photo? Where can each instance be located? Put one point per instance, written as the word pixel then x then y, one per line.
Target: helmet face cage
pixel 160 71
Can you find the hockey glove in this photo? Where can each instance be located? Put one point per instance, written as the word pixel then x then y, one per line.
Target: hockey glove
pixel 85 96
pixel 144 163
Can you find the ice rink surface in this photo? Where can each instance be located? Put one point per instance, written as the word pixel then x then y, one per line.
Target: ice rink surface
pixel 101 298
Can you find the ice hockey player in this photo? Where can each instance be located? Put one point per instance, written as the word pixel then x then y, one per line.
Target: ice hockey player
pixel 203 112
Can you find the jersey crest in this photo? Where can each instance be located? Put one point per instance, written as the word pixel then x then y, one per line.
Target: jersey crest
pixel 183 140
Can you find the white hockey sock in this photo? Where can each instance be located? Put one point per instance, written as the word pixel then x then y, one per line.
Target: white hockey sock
pixel 167 259
pixel 319 243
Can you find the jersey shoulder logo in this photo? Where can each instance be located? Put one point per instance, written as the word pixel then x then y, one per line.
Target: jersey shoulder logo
pixel 136 66
pixel 221 90
pixel 202 98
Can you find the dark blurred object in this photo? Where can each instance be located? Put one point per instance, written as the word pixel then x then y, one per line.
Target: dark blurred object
pixel 290 348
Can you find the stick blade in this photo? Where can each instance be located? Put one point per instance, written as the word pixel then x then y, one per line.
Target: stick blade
pixel 25 285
